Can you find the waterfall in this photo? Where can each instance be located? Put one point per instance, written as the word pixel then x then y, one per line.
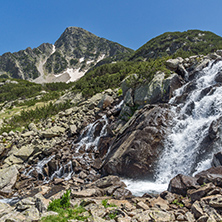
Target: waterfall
pixel 84 149
pixel 183 148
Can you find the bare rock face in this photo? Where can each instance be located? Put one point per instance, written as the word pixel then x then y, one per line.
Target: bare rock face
pixel 137 147
pixel 8 178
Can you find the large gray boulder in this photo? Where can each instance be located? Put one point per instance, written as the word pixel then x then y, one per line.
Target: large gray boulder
pixel 160 89
pixel 151 92
pixel 137 147
pixel 8 178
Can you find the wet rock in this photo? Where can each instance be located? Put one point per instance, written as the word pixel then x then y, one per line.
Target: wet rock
pixel 217 159
pixel 218 77
pixel 135 150
pixel 214 175
pixel 181 183
pixel 170 84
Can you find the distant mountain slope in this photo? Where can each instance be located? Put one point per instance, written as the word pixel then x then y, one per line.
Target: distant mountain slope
pixel 73 54
pixel 179 43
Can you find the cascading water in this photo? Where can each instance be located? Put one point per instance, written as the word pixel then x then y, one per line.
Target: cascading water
pixel 184 151
pixel 84 149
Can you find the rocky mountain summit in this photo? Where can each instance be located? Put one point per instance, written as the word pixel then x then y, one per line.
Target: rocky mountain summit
pixel 75 52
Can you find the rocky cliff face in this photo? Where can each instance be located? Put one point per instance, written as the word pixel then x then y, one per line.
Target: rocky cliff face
pixel 73 54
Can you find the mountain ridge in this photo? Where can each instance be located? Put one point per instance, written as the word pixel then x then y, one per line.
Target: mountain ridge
pixel 68 52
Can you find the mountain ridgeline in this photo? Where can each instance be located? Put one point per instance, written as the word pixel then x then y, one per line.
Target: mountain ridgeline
pixel 184 44
pixel 78 51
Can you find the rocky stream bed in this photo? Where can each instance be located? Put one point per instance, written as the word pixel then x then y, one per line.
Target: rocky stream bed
pixel 89 148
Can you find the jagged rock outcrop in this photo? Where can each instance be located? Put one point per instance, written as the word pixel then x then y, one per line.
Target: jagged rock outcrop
pixel 137 147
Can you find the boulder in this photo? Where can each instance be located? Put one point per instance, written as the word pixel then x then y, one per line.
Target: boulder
pixel 107 182
pixel 53 132
pixel 106 101
pixel 32 127
pixel 137 147
pixel 127 82
pixel 73 129
pixel 24 152
pixel 217 159
pixel 151 92
pixel 87 193
pixel 128 99
pixel 197 210
pixel 218 77
pixel 8 178
pixel 181 183
pixel 174 63
pixel 214 175
pixel 197 194
pixel 170 84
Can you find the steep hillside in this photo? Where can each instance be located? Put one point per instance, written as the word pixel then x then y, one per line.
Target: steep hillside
pixel 73 54
pixel 184 44
pixel 24 64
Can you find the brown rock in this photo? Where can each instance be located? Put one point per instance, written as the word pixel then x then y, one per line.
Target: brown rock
pixel 201 192
pixel 214 175
pixel 181 183
pixel 142 205
pixel 197 210
pixel 160 203
pixel 87 193
pixel 135 150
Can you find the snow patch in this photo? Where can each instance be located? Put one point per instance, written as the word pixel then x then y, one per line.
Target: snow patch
pixel 74 74
pixel 81 59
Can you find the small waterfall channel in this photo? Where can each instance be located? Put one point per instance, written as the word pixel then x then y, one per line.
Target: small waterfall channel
pixel 84 149
pixel 196 105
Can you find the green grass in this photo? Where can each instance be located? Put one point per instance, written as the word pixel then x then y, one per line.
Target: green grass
pixel 65 212
pixel 33 114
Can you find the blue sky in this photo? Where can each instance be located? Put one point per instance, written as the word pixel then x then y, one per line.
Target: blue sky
pixel 29 23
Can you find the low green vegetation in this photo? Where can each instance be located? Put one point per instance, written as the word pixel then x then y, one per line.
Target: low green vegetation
pixel 34 115
pixel 65 212
pixel 177 202
pixel 25 89
pixel 183 44
pixel 106 204
pixel 110 75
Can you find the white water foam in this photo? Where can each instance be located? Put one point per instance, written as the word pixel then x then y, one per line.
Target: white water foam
pixel 140 187
pixel 183 146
